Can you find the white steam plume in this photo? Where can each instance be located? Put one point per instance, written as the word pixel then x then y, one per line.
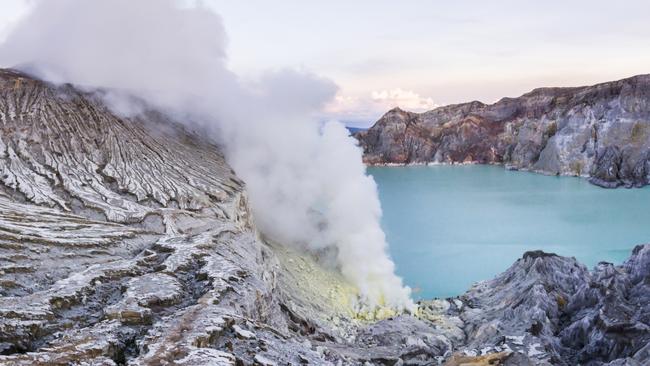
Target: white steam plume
pixel 307 184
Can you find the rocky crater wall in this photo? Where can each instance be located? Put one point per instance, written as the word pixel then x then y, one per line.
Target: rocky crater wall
pixel 601 132
pixel 129 242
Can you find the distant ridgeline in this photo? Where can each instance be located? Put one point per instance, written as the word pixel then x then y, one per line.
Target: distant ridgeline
pixel 601 132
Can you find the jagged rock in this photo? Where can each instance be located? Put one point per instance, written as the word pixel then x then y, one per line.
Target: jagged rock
pixel 144 293
pixel 486 360
pixel 243 333
pixel 263 361
pixel 600 131
pixel 137 220
pixel 207 356
pixel 613 306
pixel 551 310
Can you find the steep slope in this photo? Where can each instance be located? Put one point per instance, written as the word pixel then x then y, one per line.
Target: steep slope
pixel 130 241
pixel 600 131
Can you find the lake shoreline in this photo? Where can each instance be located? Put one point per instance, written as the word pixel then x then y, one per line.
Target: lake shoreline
pixel 437 217
pixel 590 179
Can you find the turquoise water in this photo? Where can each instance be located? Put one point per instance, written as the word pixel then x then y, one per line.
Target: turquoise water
pixel 450 226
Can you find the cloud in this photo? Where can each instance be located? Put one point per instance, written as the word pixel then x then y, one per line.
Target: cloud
pixel 307 183
pixel 405 99
pixel 12 11
pixel 368 108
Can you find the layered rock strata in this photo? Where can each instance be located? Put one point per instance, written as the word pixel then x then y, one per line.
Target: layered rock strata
pixel 601 132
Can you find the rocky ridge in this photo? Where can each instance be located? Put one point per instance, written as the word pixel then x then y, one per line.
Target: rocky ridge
pixel 601 132
pixel 130 241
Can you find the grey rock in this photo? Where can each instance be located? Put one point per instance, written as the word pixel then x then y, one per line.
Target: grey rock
pixel 600 131
pixel 554 311
pixel 130 241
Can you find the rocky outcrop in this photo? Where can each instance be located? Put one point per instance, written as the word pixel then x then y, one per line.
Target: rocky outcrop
pixel 600 131
pixel 555 311
pixel 129 241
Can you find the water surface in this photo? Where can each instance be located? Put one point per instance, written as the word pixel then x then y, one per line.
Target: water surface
pixel 450 226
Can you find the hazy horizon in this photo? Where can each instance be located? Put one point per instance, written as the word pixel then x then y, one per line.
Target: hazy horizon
pixel 425 54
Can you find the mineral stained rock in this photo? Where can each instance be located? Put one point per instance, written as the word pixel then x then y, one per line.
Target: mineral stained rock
pixel 601 132
pixel 129 241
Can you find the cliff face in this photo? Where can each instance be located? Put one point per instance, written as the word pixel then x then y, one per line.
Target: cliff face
pixel 129 241
pixel 600 131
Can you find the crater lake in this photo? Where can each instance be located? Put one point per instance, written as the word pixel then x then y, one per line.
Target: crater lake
pixel 451 226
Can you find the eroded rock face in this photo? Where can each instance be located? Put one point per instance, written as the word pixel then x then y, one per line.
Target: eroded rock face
pixel 550 310
pixel 129 241
pixel 601 131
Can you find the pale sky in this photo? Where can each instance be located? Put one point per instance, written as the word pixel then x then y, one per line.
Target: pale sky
pixel 418 54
